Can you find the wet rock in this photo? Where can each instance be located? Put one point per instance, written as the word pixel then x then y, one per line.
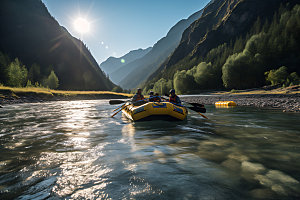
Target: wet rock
pixel 253 167
pixel 187 142
pixel 279 189
pixel 238 156
pixel 263 180
pixel 215 156
pixel 278 182
pixel 262 193
pixel 231 164
pixel 281 177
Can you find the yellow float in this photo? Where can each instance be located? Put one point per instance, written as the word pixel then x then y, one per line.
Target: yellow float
pixel 155 111
pixel 225 104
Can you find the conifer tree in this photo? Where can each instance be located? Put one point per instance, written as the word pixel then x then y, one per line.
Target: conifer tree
pixel 52 80
pixel 4 63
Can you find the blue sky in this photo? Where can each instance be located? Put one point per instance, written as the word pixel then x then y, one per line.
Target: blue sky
pixel 119 26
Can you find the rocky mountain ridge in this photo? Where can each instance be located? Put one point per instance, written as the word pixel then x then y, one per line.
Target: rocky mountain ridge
pixel 30 33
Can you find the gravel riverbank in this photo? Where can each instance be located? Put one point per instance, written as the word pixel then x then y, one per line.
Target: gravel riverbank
pixel 284 102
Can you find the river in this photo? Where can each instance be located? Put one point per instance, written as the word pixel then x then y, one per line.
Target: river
pixel 75 150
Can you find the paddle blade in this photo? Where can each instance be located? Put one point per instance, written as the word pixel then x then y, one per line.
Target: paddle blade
pixel 198 109
pixel 115 101
pixel 196 104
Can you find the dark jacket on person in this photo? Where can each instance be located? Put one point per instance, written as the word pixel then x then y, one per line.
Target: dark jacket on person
pixel 175 99
pixel 151 98
pixel 137 97
pixel 154 98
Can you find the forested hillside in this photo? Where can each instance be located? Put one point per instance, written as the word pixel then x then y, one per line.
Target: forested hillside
pixel 34 48
pixel 235 45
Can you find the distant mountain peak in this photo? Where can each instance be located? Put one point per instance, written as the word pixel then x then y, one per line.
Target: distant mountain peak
pixel 134 73
pixel 112 63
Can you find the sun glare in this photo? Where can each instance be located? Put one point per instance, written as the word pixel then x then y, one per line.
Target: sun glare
pixel 82 25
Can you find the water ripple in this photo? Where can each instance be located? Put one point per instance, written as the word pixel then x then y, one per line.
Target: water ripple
pixel 75 150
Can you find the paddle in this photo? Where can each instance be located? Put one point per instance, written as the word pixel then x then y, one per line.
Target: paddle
pixel 122 107
pixel 116 101
pixel 202 115
pixel 196 104
pixel 118 107
pixel 199 110
pixel 197 107
pixel 112 102
pixel 116 112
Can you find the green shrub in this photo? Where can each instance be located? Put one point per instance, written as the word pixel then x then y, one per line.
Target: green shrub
pixel 205 76
pixel 29 84
pixel 52 81
pixel 183 82
pixel 17 74
pixel 117 89
pixel 294 79
pixel 162 86
pixel 278 76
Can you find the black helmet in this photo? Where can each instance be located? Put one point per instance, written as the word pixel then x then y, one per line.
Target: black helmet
pixel 151 93
pixel 172 91
pixel 139 89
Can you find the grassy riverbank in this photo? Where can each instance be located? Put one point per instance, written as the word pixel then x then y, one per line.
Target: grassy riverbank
pixel 266 90
pixel 9 95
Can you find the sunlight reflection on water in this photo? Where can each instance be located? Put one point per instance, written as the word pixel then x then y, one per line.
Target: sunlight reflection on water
pixel 75 150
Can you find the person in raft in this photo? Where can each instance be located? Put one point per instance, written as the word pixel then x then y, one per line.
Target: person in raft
pixel 151 96
pixel 174 98
pixel 137 98
pixel 156 98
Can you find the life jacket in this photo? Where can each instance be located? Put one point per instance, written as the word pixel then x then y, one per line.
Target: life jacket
pixel 139 97
pixel 173 99
pixel 151 98
pixel 156 99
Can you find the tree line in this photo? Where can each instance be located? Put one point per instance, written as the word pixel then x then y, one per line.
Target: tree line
pixel 268 54
pixel 15 74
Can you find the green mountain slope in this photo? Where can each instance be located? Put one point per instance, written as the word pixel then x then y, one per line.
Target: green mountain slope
pixel 233 38
pixel 30 33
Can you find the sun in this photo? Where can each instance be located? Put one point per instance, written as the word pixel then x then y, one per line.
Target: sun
pixel 81 25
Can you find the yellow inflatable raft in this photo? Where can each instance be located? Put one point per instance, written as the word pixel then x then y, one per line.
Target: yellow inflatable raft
pixel 155 111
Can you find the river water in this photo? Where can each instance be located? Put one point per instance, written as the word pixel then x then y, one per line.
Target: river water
pixel 74 150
